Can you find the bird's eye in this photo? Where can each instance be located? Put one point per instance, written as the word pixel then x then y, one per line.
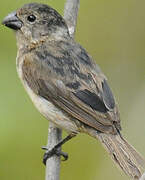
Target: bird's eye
pixel 31 18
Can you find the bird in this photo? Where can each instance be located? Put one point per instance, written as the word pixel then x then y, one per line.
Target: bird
pixel 66 85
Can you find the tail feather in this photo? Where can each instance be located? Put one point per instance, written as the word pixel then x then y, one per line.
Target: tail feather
pixel 128 159
pixel 139 159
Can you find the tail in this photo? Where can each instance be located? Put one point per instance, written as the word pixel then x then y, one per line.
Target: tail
pixel 128 159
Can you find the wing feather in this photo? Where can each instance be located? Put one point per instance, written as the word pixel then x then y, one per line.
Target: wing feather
pixel 80 89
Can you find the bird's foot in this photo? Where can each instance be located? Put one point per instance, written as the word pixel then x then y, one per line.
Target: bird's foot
pixel 52 152
pixel 56 149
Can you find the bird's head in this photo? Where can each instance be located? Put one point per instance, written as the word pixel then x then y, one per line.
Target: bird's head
pixel 34 22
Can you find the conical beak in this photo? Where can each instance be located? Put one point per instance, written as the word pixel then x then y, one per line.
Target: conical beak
pixel 12 21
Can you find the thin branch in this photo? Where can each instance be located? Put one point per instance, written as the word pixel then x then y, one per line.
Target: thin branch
pixel 70 15
pixel 55 134
pixel 53 163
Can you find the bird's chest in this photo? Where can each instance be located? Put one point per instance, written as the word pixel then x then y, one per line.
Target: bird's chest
pixel 41 104
pixel 45 107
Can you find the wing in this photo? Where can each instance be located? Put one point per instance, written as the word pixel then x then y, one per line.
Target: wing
pixel 66 75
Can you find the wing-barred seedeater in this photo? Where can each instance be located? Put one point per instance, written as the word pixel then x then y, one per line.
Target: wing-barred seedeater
pixel 65 84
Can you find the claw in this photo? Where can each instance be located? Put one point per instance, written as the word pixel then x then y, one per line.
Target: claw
pixel 55 150
pixel 44 148
pixel 64 154
pixel 52 152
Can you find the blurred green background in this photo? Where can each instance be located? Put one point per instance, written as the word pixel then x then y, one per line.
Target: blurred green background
pixel 113 32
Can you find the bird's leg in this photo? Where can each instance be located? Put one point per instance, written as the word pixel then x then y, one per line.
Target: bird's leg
pixel 56 151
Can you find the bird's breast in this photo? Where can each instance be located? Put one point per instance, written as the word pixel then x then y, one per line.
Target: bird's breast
pixel 45 107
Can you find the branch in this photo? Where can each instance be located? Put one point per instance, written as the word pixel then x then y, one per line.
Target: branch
pixel 53 163
pixel 54 134
pixel 70 15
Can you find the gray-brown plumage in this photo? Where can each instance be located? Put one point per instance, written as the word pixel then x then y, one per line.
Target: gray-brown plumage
pixel 65 84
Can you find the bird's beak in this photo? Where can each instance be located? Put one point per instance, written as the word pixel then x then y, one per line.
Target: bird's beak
pixel 12 21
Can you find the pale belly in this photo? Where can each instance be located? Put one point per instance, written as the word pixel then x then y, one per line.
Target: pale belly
pixel 47 109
